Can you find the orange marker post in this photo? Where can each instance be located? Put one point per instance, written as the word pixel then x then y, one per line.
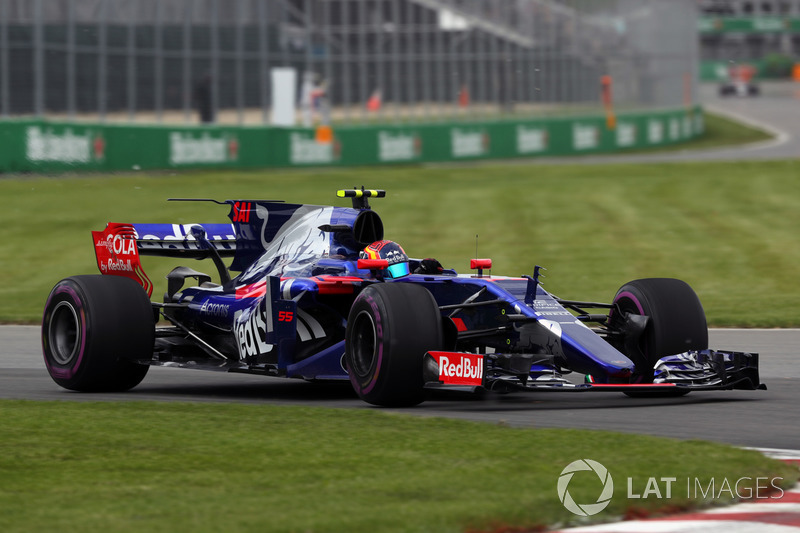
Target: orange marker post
pixel 611 119
pixel 324 134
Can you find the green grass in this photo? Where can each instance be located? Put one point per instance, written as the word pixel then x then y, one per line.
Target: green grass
pixel 719 132
pixel 117 467
pixel 728 229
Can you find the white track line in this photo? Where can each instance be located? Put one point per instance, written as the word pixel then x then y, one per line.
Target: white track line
pixel 781 136
pixel 690 526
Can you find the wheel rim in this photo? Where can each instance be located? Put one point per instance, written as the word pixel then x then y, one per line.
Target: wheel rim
pixel 64 333
pixel 364 345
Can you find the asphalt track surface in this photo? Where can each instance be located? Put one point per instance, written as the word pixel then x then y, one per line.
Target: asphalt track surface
pixel 768 418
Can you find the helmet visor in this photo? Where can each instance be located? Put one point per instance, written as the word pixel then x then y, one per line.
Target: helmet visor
pixel 398 270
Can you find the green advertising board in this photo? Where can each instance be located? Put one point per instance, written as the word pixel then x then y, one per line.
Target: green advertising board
pixel 49 146
pixel 761 24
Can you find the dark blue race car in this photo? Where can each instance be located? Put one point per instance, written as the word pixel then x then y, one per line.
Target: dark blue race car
pixel 320 295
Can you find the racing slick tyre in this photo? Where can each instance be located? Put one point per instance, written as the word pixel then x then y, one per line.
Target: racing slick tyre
pixel 677 323
pixel 389 329
pixel 94 328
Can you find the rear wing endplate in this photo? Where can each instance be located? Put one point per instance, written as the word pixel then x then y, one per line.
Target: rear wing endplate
pixel 119 246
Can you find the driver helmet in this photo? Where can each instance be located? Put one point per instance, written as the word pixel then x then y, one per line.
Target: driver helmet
pixel 392 252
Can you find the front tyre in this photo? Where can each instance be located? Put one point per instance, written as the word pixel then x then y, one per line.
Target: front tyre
pixel 389 329
pixel 677 323
pixel 94 329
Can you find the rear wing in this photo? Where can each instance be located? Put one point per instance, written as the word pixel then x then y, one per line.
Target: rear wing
pixel 118 247
pixel 185 240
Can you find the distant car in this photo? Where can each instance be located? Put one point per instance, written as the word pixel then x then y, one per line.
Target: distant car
pixel 739 81
pixel 738 88
pixel 319 294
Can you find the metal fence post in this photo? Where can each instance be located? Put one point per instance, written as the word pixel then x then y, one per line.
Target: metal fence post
pixel 187 55
pixel 158 55
pixel 239 25
pixel 102 71
pixel 4 96
pixel 215 85
pixel 130 62
pixel 39 79
pixel 264 62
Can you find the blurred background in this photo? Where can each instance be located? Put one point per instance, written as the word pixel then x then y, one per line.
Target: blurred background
pixel 355 61
pixel 763 35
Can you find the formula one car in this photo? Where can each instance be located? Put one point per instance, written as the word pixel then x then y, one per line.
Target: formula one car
pixel 320 295
pixel 738 88
pixel 739 82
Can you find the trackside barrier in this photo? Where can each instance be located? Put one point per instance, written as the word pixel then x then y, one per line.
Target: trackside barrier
pixel 50 146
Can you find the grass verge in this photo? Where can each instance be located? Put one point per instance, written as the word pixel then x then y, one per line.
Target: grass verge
pixel 118 467
pixel 719 132
pixel 729 229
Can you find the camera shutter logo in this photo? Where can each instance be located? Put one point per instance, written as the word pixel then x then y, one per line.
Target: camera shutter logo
pixel 585 509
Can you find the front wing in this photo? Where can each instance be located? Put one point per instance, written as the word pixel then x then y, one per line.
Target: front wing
pixel 690 371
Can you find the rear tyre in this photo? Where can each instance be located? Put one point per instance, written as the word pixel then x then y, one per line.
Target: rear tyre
pixel 677 323
pixel 94 329
pixel 389 329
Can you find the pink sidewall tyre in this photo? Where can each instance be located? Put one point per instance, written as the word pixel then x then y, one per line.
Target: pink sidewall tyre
pixel 389 329
pixel 96 331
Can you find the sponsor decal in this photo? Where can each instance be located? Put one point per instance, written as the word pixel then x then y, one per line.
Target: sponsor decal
pixel 117 254
pixel 208 148
pixel 180 239
pixel 215 310
pixel 250 329
pixel 585 136
pixel 398 146
pixel 304 149
pixel 674 129
pixel 465 143
pixel 551 308
pixel 626 134
pixel 241 212
pixel 308 327
pixel 531 140
pixel 44 145
pixel 769 24
pixel 686 124
pixel 395 256
pixel 707 24
pixel 459 368
pixel 655 131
